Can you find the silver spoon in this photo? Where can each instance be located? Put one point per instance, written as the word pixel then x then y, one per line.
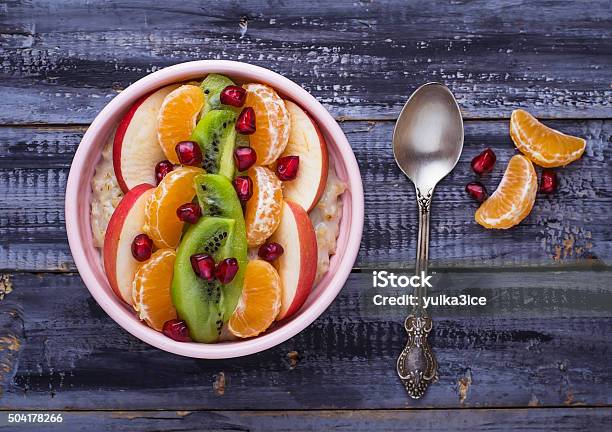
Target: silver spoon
pixel 427 143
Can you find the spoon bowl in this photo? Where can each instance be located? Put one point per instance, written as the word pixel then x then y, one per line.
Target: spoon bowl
pixel 428 136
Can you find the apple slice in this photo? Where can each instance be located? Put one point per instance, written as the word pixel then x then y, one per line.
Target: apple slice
pixel 136 150
pixel 307 142
pixel 297 266
pixel 125 224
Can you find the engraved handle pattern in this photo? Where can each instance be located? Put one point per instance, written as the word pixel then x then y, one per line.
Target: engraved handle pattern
pixel 416 366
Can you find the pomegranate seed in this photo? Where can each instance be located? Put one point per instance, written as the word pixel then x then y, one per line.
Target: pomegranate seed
pixel 244 188
pixel 548 182
pixel 226 270
pixel 177 330
pixel 245 158
pixel 233 95
pixel 477 191
pixel 270 251
pixel 189 212
pixel 142 246
pixel 484 162
pixel 161 169
pixel 246 121
pixel 287 167
pixel 189 153
pixel 203 265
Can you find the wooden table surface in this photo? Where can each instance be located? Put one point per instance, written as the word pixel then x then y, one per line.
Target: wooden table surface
pixel 537 357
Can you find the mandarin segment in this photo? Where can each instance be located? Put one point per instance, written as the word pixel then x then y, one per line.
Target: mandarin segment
pixel 162 224
pixel 177 118
pixel 514 197
pixel 544 146
pixel 263 209
pixel 271 120
pixel 260 301
pixel 151 297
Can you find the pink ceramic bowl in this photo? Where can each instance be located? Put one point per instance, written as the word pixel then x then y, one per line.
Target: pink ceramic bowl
pixel 87 257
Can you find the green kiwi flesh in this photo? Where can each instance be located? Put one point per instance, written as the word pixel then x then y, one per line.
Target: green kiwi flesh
pixel 217 198
pixel 216 136
pixel 212 86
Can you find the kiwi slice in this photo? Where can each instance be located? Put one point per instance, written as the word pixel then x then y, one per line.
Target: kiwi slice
pixel 217 197
pixel 206 306
pixel 212 86
pixel 216 135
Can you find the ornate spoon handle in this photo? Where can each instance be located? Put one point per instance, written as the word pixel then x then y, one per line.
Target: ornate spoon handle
pixel 416 365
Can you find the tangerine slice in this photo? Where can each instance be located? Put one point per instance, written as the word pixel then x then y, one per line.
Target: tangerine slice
pixel 263 209
pixel 544 146
pixel 177 118
pixel 514 197
pixel 161 223
pixel 151 289
pixel 259 302
pixel 271 122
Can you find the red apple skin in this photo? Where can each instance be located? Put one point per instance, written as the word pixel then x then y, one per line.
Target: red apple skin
pixel 118 141
pixel 308 257
pixel 113 235
pixel 324 161
pixel 136 150
pixel 324 167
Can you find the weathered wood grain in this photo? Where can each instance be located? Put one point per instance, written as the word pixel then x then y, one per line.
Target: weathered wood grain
pixel 62 61
pixel 467 420
pixel 543 339
pixel 569 228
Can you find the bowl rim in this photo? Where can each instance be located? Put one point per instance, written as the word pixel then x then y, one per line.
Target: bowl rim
pixel 297 323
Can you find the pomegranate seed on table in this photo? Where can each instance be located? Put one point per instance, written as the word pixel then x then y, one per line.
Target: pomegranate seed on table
pixel 245 157
pixel 189 153
pixel 142 247
pixel 177 330
pixel 270 251
pixel 244 188
pixel 226 270
pixel 233 95
pixel 484 162
pixel 246 121
pixel 477 191
pixel 203 265
pixel 287 167
pixel 189 212
pixel 161 169
pixel 548 182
